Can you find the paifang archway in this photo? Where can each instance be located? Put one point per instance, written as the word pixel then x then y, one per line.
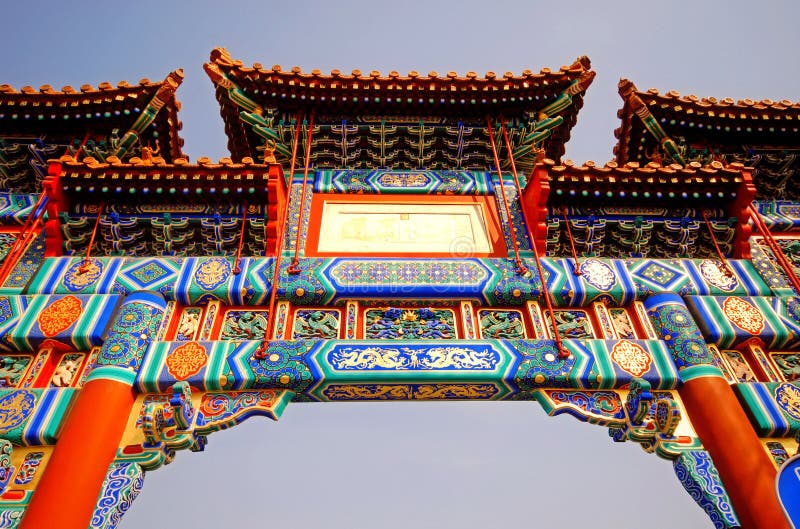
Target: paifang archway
pixel 422 245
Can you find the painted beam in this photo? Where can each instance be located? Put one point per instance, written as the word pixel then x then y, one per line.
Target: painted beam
pixel 197 280
pixel 327 370
pixel 75 322
pixel 731 321
pixel 422 182
pixel 772 407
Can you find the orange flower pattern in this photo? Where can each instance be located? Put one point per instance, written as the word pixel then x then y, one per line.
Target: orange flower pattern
pixel 743 315
pixel 631 358
pixel 186 360
pixel 60 315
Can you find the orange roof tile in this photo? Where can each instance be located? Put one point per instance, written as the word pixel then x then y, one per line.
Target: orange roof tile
pixel 52 112
pixel 708 120
pixel 359 93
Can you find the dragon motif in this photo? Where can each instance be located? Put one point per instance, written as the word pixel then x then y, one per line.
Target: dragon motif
pixel 406 358
pixel 789 365
pixel 316 324
pixel 244 325
pixel 501 324
pixel 11 370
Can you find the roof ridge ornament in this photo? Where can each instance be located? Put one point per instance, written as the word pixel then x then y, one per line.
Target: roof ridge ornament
pixel 627 90
pixel 163 95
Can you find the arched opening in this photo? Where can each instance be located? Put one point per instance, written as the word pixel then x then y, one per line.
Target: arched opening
pixel 466 465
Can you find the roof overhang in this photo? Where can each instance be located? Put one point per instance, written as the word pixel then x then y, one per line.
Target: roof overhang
pixel 425 119
pixel 61 117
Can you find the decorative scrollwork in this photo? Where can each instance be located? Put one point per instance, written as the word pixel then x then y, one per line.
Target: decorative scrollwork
pixel 6 469
pixel 182 408
pixel 153 423
pixel 667 416
pixel 639 401
pixel 652 418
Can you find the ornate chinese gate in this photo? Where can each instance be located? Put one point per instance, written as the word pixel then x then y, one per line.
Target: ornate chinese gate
pixel 395 243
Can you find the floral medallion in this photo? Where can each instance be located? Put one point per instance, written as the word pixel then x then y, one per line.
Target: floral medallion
pixel 60 315
pixel 82 274
pixel 743 315
pixel 788 398
pixel 598 274
pixel 631 358
pixel 212 273
pixel 186 360
pixel 715 274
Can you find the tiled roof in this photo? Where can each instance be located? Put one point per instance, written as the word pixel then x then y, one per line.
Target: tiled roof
pixel 636 183
pixel 62 115
pixel 276 74
pixel 157 176
pixel 718 123
pixel 613 169
pixel 358 97
pixel 105 89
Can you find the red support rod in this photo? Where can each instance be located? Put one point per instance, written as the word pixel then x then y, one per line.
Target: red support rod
pixel 293 268
pixel 85 266
pixel 23 237
pixel 577 270
pixel 562 350
pixel 725 267
pixel 237 269
pixel 80 147
pixel 776 250
pixel 269 331
pixel 521 268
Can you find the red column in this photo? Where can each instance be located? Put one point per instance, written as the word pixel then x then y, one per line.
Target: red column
pixel 73 478
pixel 67 492
pixel 744 466
pixel 718 418
pixel 58 203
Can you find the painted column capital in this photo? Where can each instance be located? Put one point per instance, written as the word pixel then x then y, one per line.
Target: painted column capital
pixel 674 324
pixel 136 325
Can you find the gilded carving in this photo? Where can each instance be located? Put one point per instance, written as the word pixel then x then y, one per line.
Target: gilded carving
pixel 506 324
pixel 598 274
pixel 66 370
pixel 60 315
pixel 186 360
pixel 15 408
pixel 244 325
pixel 404 180
pixel 406 358
pixel 743 315
pixel 789 365
pixel 788 398
pixel 212 273
pixel 718 276
pixel 738 366
pixel 82 274
pixel 409 391
pixel 631 358
pixel 622 323
pixel 11 369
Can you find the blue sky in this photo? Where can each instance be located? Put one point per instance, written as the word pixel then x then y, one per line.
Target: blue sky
pixel 421 465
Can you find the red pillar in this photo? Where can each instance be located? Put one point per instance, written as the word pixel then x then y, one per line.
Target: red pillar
pixel 718 418
pixel 67 493
pixel 57 203
pixel 73 478
pixel 744 466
